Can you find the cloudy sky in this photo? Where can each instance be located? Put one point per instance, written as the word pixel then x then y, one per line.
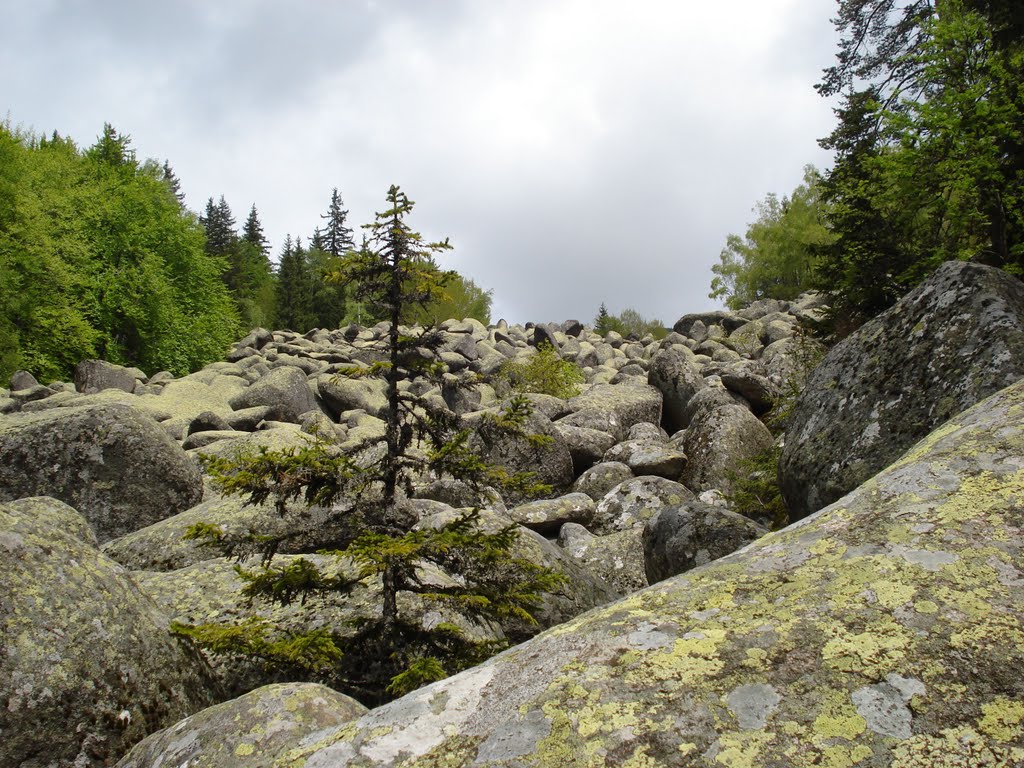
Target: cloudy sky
pixel 575 151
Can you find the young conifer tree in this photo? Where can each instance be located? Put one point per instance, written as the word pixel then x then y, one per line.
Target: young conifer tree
pixel 391 653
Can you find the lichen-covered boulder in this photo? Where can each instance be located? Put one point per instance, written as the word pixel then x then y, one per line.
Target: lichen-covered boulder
pixel 601 478
pixel 886 630
pixel 633 502
pixel 955 339
pixel 285 387
pixel 615 558
pixel 113 464
pixel 680 538
pixel 163 547
pixel 586 446
pixel 546 516
pixel 649 456
pixel 247 732
pixel 87 667
pixel 716 443
pixel 341 394
pixel 614 408
pixel 677 376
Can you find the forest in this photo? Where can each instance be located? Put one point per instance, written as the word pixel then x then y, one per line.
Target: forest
pixel 928 163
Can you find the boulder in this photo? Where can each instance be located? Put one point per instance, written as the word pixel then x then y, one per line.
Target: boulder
pixel 635 501
pixel 683 537
pixel 547 516
pixel 675 374
pixel 87 667
pixel 615 408
pixel 586 446
pixel 886 630
pixel 953 340
pixel 601 478
pixel 647 456
pixel 616 558
pixel 92 376
pixel 113 464
pixel 285 387
pixel 550 461
pixel 342 394
pixel 22 380
pixel 716 444
pixel 247 732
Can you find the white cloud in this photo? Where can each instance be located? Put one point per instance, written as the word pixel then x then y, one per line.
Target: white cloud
pixel 576 151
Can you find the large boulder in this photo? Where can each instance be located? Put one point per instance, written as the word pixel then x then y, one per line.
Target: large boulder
pixel 92 376
pixel 285 387
pixel 246 732
pixel 956 338
pixel 614 408
pixel 615 558
pixel 633 502
pixel 677 376
pixel 680 538
pixel 112 463
pixel 887 630
pixel 87 667
pixel 717 443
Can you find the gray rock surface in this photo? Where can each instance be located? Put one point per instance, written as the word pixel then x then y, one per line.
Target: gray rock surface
pixel 717 443
pixel 676 375
pixel 87 667
pixel 680 538
pixel 955 339
pixel 601 478
pixel 857 637
pixel 113 464
pixel 248 732
pixel 633 502
pixel 284 387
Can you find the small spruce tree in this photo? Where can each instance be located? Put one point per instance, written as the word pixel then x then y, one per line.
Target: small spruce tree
pixel 391 653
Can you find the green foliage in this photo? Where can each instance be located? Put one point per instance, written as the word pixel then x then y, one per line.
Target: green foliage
pixel 543 373
pixel 755 489
pixel 776 257
pixel 98 259
pixel 457 565
pixel 929 147
pixel 460 299
pixel 629 323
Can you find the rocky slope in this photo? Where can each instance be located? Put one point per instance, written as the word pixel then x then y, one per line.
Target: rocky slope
pixel 810 646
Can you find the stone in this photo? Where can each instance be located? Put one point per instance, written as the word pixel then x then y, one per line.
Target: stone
pixel 92 376
pixel 284 387
pixel 342 394
pixel 23 380
pixel 675 374
pixel 647 456
pixel 616 558
pixel 614 408
pixel 727 320
pixel 251 731
pixel 680 538
pixel 635 501
pixel 113 464
pixel 586 446
pixel 718 442
pixel 206 421
pixel 955 339
pixel 789 652
pixel 547 516
pixel 601 478
pixel 88 667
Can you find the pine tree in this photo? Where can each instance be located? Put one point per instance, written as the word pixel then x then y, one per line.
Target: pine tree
pixel 252 232
pixel 173 183
pixel 601 322
pixel 393 652
pixel 295 289
pixel 337 237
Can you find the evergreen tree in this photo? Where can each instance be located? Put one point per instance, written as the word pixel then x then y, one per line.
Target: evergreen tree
pixel 295 289
pixel 173 183
pixel 601 322
pixel 392 652
pixel 337 236
pixel 252 233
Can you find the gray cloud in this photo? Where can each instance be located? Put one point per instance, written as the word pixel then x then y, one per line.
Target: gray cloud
pixel 576 152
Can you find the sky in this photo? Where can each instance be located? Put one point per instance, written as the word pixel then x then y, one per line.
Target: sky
pixel 575 152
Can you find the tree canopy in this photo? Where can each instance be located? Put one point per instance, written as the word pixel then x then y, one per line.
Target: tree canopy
pixel 98 259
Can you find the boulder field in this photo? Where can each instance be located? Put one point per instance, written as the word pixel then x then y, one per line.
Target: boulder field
pixel 884 629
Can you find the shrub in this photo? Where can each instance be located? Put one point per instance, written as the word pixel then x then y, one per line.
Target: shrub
pixel 544 373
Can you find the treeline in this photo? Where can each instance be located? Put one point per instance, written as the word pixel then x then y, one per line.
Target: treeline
pixel 929 162
pixel 99 257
